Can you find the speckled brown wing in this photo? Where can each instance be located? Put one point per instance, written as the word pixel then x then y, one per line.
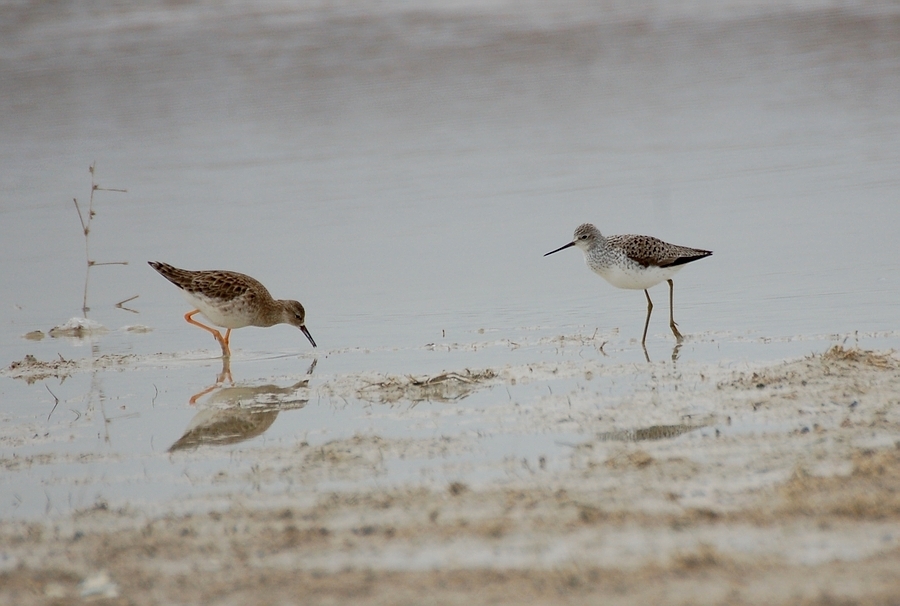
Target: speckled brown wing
pixel 647 251
pixel 216 284
pixel 225 285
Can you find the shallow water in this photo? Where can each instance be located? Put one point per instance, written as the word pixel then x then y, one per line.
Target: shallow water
pixel 402 172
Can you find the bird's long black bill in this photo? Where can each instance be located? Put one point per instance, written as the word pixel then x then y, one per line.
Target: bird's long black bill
pixel 561 248
pixel 308 336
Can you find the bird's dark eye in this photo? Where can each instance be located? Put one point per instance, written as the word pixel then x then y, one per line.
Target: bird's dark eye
pixel 584 236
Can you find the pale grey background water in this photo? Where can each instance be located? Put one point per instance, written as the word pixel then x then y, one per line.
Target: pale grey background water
pixel 401 169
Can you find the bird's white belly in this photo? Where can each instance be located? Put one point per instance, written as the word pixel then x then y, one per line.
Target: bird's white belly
pixel 226 315
pixel 635 276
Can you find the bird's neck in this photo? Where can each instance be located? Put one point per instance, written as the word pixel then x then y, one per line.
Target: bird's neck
pixel 273 313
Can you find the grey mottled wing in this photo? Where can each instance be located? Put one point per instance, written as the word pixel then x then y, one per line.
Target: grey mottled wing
pixel 647 251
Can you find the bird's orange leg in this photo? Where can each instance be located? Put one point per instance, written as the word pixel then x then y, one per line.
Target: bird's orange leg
pixel 220 378
pixel 226 372
pixel 223 341
pixel 197 396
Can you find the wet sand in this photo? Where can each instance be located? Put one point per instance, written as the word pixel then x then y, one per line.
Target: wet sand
pixel 789 493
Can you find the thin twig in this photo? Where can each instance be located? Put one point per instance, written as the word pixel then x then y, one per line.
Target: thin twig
pixel 84 227
pixel 122 307
pixel 121 304
pixel 56 403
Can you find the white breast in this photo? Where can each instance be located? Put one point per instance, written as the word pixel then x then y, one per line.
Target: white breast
pixel 635 276
pixel 227 315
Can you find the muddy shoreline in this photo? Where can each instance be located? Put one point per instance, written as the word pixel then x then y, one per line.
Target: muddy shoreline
pixel 805 509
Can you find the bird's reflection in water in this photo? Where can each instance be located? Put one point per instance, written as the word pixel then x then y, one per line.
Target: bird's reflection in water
pixel 676 351
pixel 661 432
pixel 655 432
pixel 237 413
pixel 220 378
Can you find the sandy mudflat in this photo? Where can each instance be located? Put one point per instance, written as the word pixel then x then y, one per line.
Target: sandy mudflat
pixel 788 494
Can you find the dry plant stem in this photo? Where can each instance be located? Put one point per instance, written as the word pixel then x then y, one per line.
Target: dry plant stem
pixel 55 404
pixel 121 304
pixel 86 229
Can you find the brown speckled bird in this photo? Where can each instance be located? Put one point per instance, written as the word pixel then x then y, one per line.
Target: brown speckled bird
pixel 232 300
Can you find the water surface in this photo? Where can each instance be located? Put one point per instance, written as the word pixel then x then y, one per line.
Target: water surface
pixel 402 172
